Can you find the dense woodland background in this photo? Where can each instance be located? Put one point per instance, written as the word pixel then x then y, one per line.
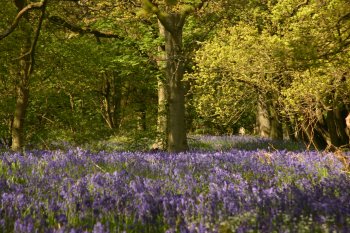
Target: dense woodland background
pixel 91 70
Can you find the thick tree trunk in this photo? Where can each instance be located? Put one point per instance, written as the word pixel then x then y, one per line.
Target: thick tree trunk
pixel 171 23
pixel 177 140
pixel 171 91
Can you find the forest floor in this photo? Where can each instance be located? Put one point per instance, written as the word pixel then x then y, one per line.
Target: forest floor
pixel 223 184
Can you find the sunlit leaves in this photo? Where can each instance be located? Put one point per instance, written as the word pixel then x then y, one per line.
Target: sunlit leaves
pixel 298 48
pixel 233 68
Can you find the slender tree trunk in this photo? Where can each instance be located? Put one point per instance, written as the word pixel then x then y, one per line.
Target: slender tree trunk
pixel 25 70
pixel 22 88
pixel 276 124
pixel 162 121
pixel 263 119
pixel 142 118
pixel 20 113
pixel 316 138
pixel 340 114
pixel 111 103
pixel 163 95
pixel 347 129
pixel 290 129
pixel 335 140
pixel 332 128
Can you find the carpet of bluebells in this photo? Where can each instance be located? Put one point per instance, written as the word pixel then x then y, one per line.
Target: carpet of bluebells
pixel 261 190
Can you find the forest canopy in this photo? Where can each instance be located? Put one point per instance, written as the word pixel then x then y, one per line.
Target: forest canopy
pixel 81 71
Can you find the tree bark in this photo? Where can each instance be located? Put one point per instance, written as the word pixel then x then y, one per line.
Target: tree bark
pixel 20 111
pixel 340 114
pixel 162 116
pixel 335 140
pixel 334 128
pixel 263 119
pixel 172 21
pixel 347 129
pixel 111 103
pixel 276 129
pixel 316 138
pixel 171 91
pixel 142 118
pixel 176 132
pixel 25 68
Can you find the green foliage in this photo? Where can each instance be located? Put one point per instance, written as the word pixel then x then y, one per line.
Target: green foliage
pixel 149 6
pixel 233 223
pixel 295 54
pixel 171 2
pixel 135 141
pixel 292 56
pixel 66 87
pixel 228 69
pixel 9 50
pixel 316 91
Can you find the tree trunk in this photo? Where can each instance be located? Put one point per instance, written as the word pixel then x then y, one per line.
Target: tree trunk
pixel 111 103
pixel 162 121
pixel 26 67
pixel 171 23
pixel 332 128
pixel 276 131
pixel 162 117
pixel 22 88
pixel 177 140
pixel 335 140
pixel 340 114
pixel 316 138
pixel 19 116
pixel 263 119
pixel 347 123
pixel 142 118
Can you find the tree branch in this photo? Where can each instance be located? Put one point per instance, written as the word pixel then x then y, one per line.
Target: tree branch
pixel 300 5
pixel 188 10
pixel 201 4
pixel 61 22
pixel 74 28
pixel 151 7
pixel 163 16
pixel 36 35
pixel 342 47
pixel 21 13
